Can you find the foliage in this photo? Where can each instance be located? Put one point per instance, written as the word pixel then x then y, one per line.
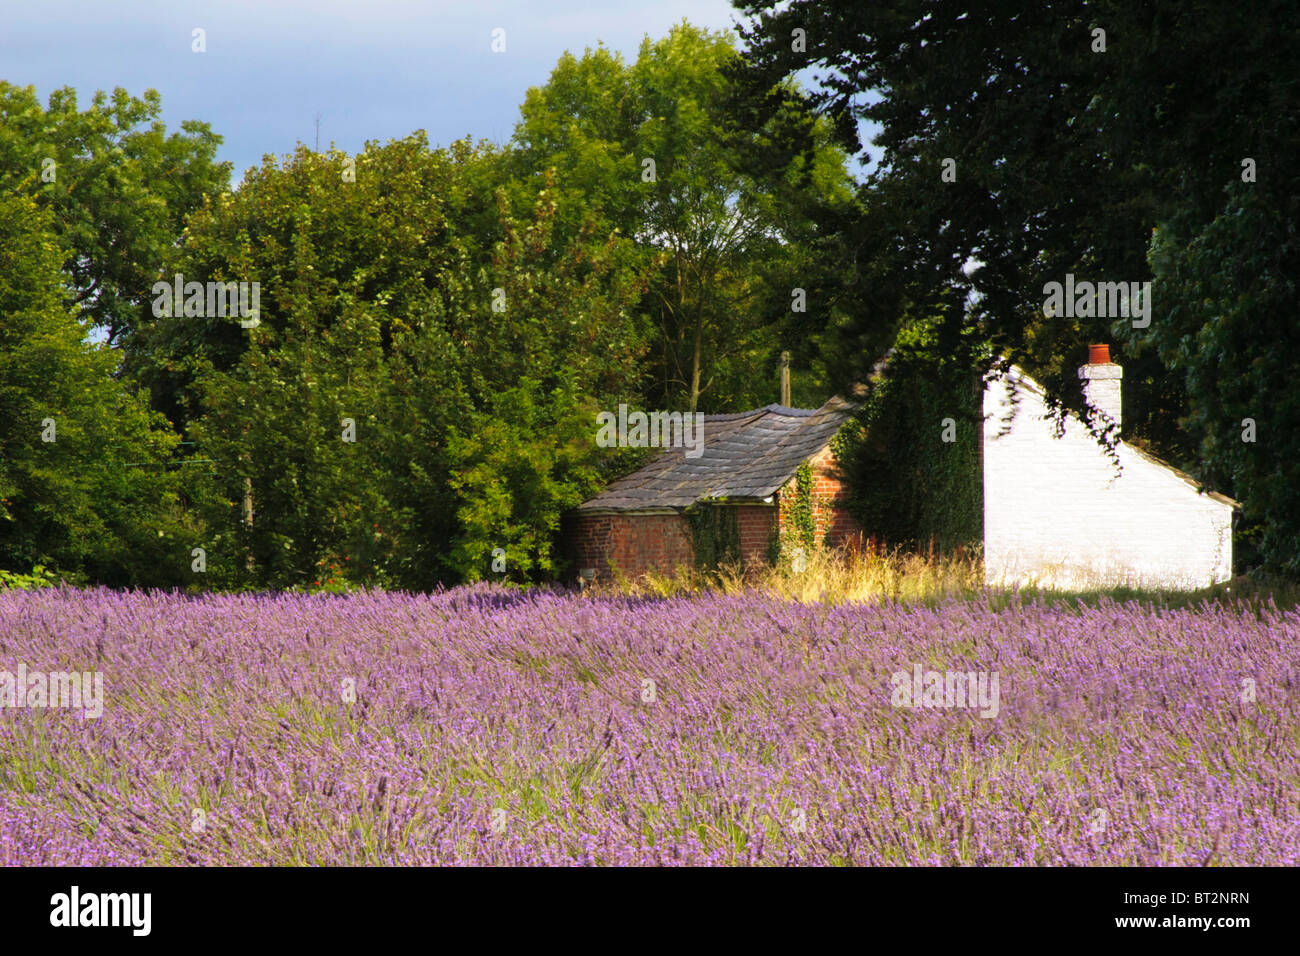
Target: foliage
pixel 513 487
pixel 1066 160
pixel 801 521
pixel 732 220
pixel 909 485
pixel 120 191
pixel 40 577
pixel 715 535
pixel 1229 292
pixel 87 485
pixel 470 365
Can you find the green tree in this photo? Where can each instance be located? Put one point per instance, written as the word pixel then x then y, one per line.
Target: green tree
pixel 296 425
pixel 567 345
pixel 1227 292
pixel 117 185
pixel 355 257
pixel 88 482
pixel 1067 158
pixel 726 196
pixel 386 297
pixel 915 456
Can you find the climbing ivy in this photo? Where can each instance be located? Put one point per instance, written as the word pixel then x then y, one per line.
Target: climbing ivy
pixel 715 534
pixel 909 487
pixel 774 544
pixel 802 523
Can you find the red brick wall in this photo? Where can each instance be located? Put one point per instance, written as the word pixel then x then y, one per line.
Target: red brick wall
pixel 636 544
pixel 755 523
pixel 828 494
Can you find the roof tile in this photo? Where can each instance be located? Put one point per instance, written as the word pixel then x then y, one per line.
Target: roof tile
pixel 746 456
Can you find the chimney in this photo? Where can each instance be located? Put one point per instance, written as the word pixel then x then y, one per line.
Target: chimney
pixel 785 379
pixel 1101 383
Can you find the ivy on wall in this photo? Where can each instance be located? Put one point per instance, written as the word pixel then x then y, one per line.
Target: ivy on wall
pixel 802 523
pixel 796 529
pixel 715 534
pixel 774 544
pixel 914 462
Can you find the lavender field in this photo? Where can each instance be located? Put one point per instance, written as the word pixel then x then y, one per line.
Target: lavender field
pixel 488 726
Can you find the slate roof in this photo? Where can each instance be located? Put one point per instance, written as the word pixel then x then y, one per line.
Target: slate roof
pixel 747 457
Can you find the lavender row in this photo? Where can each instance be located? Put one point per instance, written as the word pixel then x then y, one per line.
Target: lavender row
pixel 485 726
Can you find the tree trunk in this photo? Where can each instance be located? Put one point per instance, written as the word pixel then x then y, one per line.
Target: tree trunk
pixel 248 517
pixel 695 365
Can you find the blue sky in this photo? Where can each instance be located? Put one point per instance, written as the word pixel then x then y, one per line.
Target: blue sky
pixel 373 69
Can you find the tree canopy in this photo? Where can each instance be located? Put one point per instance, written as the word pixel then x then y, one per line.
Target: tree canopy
pixel 732 194
pixel 411 399
pixel 1112 141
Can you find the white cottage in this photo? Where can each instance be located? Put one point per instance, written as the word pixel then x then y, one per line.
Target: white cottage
pixel 1060 513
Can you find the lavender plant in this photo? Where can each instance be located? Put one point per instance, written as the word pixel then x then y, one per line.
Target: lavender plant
pixel 490 726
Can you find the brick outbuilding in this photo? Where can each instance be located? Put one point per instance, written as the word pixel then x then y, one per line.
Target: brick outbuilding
pixel 749 467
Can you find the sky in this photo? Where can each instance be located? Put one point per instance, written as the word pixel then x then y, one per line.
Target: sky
pixel 372 69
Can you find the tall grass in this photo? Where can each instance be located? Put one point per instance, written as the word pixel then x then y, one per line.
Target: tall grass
pixel 870 573
pixel 857 574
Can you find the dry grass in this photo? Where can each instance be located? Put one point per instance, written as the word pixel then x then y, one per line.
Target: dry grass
pixel 833 576
pixel 870 573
